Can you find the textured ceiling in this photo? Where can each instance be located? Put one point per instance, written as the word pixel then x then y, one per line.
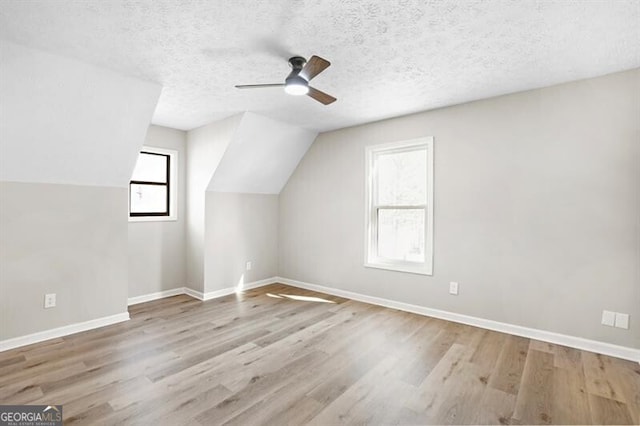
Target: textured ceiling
pixel 388 57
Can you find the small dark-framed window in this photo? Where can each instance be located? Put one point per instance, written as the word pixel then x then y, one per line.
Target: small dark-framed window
pixel 150 186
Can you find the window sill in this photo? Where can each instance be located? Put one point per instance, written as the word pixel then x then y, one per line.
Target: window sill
pixel 152 219
pixel 412 269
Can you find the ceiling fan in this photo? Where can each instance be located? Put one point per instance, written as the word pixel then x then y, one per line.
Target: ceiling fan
pixel 297 82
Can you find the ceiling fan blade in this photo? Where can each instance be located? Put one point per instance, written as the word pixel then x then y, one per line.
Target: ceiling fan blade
pixel 258 86
pixel 313 67
pixel 320 96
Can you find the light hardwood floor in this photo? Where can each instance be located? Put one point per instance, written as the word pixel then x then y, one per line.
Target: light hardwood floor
pixel 280 355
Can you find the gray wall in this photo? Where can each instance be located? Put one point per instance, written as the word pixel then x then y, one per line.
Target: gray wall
pixel 65 239
pixel 537 207
pixel 240 228
pixel 235 169
pixel 157 250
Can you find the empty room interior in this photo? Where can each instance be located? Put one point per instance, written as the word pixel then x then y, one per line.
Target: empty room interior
pixel 319 212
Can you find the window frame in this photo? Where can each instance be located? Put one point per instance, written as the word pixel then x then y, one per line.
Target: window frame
pixel 172 188
pixel 371 258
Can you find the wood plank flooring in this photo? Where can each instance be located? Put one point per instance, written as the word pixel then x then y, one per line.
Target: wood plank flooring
pixel 281 355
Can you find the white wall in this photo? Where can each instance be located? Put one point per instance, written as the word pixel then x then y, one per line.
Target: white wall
pixel 537 207
pixel 157 250
pixel 261 157
pixel 240 228
pixel 205 147
pixel 64 121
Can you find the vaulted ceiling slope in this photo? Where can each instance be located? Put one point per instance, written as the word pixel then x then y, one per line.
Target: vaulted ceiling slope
pixel 64 121
pixel 262 155
pixel 246 153
pixel 388 57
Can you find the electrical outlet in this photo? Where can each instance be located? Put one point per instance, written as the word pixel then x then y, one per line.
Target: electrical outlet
pixel 249 265
pixel 50 300
pixel 608 318
pixel 453 288
pixel 622 320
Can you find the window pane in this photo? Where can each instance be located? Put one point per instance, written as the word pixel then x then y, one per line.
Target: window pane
pixel 151 168
pixel 402 177
pixel 401 234
pixel 148 198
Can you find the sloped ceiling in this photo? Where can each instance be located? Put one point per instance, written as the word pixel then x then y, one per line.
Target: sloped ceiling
pixel 261 156
pixel 63 121
pixel 206 146
pixel 388 57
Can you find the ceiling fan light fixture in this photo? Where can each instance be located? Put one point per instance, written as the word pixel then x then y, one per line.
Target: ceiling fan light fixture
pixel 296 86
pixel 296 89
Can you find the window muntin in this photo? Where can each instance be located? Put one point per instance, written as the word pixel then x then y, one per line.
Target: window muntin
pixel 150 185
pixel 399 214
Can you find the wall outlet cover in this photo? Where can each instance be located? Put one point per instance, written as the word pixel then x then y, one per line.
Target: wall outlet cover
pixel 50 300
pixel 608 318
pixel 622 320
pixel 453 288
pixel 249 265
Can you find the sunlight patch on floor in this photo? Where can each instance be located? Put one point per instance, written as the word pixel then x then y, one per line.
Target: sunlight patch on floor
pixel 300 298
pixel 275 296
pixel 307 298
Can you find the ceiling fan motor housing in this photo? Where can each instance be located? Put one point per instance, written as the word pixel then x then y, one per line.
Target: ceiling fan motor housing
pixel 296 63
pixel 295 84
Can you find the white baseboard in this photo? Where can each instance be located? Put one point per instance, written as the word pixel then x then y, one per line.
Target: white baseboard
pixel 155 296
pixel 531 333
pixel 62 331
pixel 101 322
pixel 256 284
pixel 215 294
pixel 193 293
pixel 200 295
pixel 229 290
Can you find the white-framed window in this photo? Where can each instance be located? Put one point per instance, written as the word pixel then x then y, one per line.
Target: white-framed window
pixel 153 187
pixel 399 206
